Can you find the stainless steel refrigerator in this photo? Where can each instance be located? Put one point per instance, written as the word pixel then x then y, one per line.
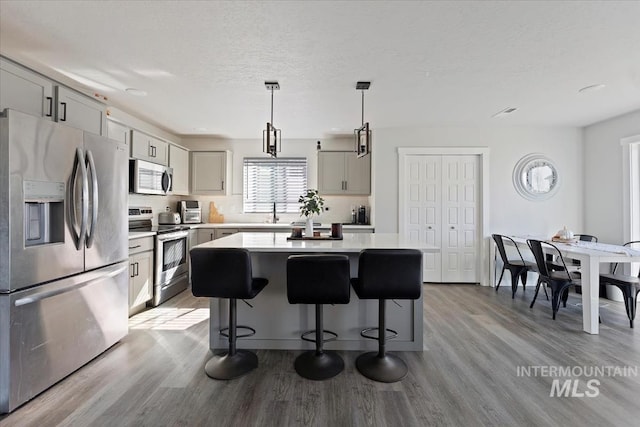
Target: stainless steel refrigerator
pixel 63 252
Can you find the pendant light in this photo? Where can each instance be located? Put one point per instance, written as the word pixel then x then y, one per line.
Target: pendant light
pixel 362 135
pixel 271 143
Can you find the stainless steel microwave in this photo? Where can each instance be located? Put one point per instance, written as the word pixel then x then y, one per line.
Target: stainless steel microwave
pixel 149 178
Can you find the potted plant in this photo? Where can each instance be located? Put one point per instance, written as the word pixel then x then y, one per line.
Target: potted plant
pixel 311 204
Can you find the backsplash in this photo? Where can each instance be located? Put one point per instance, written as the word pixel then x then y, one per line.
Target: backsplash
pixel 231 207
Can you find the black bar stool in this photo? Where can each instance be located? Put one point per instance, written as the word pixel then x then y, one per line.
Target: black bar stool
pixel 226 273
pixel 386 274
pixel 318 279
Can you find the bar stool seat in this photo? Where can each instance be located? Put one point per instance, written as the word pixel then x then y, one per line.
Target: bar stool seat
pixel 386 274
pixel 318 279
pixel 226 273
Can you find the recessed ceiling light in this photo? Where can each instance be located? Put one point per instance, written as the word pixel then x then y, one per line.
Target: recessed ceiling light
pixel 591 88
pixel 504 112
pixel 135 92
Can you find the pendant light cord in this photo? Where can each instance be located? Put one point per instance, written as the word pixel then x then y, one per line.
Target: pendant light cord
pixel 362 107
pixel 272 107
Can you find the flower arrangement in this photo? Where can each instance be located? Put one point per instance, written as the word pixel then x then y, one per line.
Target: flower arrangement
pixel 312 203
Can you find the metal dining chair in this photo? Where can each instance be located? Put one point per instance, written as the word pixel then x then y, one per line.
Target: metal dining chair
pixel 629 285
pixel 517 267
pixel 558 281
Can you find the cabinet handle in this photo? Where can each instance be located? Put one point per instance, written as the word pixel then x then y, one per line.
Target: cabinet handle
pixel 133 269
pixel 137 269
pixel 64 112
pixel 452 227
pixel 429 227
pixel 154 151
pixel 223 184
pixel 345 185
pixel 211 236
pixel 50 99
pixel 134 247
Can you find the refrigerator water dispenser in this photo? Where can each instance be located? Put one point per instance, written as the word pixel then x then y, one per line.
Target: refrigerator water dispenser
pixel 43 212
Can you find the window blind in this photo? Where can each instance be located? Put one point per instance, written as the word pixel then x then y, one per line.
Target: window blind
pixel 267 180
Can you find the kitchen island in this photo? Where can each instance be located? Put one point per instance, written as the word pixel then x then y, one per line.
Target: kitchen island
pixel 279 324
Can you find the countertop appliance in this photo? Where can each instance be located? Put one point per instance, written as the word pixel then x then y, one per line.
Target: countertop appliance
pixel 64 283
pixel 168 218
pixel 171 254
pixel 191 211
pixel 362 218
pixel 149 178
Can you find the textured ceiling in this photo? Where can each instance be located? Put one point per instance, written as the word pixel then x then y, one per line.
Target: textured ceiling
pixel 456 63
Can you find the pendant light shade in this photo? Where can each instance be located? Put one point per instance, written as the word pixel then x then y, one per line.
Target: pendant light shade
pixel 271 143
pixel 362 135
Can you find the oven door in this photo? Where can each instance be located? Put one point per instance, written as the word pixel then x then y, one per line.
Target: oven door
pixel 172 254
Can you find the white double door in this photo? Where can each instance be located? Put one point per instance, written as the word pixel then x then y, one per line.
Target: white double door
pixel 442 209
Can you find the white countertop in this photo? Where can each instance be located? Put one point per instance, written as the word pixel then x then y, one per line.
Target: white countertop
pixel 352 242
pixel 278 226
pixel 140 234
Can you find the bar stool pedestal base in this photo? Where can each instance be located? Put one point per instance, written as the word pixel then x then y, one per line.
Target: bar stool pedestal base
pixel 225 367
pixel 385 369
pixel 318 366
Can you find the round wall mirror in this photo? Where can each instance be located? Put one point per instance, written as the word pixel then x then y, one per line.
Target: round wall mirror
pixel 535 177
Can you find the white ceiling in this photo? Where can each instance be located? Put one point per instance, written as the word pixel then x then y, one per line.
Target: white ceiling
pixel 440 63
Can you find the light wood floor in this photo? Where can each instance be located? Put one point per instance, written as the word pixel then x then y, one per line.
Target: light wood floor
pixel 476 339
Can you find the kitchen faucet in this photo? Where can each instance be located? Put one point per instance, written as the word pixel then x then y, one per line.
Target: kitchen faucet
pixel 275 219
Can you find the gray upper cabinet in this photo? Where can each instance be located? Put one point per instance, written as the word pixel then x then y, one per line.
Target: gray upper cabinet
pixel 179 161
pixel 149 148
pixel 210 172
pixel 119 132
pixel 342 172
pixel 81 112
pixel 24 90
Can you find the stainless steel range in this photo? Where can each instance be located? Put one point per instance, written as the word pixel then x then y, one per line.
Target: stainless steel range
pixel 171 272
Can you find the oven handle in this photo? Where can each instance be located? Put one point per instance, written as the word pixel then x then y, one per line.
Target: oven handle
pixel 172 236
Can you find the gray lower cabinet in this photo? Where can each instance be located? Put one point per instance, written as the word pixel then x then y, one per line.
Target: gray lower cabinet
pixel 140 273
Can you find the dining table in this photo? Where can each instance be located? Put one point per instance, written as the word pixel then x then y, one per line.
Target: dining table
pixel 591 256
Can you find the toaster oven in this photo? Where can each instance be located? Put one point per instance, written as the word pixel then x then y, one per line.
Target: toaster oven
pixel 190 211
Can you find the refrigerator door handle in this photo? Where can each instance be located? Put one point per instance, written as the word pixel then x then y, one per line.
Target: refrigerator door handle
pixel 73 284
pixel 79 164
pixel 94 199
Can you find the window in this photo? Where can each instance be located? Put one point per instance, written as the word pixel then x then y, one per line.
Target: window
pixel 281 180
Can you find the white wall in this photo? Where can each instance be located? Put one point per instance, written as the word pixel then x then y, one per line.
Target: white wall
pixel 603 175
pixel 509 212
pixel 231 206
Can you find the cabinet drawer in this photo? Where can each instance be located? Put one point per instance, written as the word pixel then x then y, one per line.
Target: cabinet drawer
pixel 140 245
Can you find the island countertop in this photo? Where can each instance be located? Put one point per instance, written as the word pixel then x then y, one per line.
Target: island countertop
pixel 352 242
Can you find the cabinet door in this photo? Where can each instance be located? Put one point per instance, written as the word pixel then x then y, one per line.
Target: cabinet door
pixel 179 161
pixel 81 112
pixel 140 278
pixel 206 235
pixel 357 174
pixel 222 232
pixel 24 90
pixel 146 147
pixel 331 177
pixel 208 171
pixel 119 132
